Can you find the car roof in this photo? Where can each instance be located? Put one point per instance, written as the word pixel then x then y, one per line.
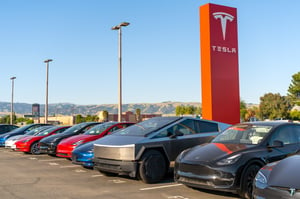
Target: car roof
pixel 269 123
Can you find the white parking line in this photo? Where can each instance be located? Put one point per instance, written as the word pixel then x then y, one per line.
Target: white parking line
pixel 160 187
pixel 117 181
pixel 69 166
pixel 52 160
pixel 53 164
pixel 95 176
pixel 79 171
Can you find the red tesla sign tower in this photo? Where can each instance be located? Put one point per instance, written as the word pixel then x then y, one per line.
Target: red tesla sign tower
pixel 219 63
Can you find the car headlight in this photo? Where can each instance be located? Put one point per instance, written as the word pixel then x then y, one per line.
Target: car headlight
pixel 230 160
pixel 77 143
pixel 260 180
pixel 27 140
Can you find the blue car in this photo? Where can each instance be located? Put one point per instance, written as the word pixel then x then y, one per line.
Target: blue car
pixel 18 131
pixel 84 154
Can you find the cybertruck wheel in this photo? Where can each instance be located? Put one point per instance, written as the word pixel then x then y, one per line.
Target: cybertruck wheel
pixel 152 167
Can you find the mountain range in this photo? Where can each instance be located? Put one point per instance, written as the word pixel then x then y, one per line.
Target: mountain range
pixel 73 109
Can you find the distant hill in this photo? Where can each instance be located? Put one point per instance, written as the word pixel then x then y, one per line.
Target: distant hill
pixel 71 109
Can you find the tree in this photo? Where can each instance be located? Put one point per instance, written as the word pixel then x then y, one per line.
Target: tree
pixel 273 106
pixel 79 119
pixel 138 115
pixel 105 115
pixel 295 115
pixel 180 110
pixel 294 89
pixel 243 110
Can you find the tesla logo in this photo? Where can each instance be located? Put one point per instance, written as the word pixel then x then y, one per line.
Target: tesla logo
pixel 292 191
pixel 224 17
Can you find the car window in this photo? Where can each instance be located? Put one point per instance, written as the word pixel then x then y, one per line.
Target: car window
pixel 186 127
pixel 147 127
pixel 243 134
pixel 286 134
pixel 204 126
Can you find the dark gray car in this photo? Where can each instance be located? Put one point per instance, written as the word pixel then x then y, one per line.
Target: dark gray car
pixel 146 149
pixel 279 179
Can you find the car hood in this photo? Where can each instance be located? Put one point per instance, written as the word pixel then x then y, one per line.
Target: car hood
pixel 16 137
pixel 212 151
pixel 75 138
pixel 117 140
pixel 54 138
pixel 285 173
pixel 84 148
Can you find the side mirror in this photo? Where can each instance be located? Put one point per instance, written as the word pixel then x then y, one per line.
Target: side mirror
pixel 277 143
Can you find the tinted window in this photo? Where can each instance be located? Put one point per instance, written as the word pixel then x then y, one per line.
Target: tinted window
pixel 147 126
pixel 204 126
pixel 286 134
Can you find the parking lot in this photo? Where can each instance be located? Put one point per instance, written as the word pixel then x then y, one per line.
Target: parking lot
pixel 43 176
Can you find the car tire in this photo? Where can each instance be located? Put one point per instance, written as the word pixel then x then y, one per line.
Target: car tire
pixel 34 148
pixel 152 167
pixel 247 181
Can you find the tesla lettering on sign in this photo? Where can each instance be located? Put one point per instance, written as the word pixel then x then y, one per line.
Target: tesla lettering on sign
pixel 219 63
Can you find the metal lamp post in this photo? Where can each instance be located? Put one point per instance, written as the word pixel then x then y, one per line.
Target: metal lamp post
pixel 47 76
pixel 119 28
pixel 12 100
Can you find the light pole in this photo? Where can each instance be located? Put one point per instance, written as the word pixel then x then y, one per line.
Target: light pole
pixel 12 100
pixel 119 28
pixel 46 104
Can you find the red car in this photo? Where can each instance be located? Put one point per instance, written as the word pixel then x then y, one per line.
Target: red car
pixel 29 144
pixel 66 146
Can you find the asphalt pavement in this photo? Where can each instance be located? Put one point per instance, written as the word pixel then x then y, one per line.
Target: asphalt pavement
pixel 26 176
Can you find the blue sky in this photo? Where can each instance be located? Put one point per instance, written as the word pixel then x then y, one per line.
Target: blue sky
pixel 161 49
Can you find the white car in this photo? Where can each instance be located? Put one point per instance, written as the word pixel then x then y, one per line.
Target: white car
pixel 10 142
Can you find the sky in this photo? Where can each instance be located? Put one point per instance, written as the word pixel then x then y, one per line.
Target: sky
pixel 160 49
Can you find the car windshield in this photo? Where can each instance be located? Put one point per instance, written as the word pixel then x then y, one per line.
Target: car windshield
pixel 243 134
pixel 37 130
pixel 46 131
pixel 98 129
pixel 74 128
pixel 147 126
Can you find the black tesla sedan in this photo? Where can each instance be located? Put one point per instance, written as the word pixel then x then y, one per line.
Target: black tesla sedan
pixel 231 161
pixel 280 179
pixel 49 144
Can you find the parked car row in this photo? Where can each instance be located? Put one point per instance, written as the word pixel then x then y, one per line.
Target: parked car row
pixel 242 158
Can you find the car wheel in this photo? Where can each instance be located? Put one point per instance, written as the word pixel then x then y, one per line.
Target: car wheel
pixel 152 167
pixel 34 149
pixel 247 181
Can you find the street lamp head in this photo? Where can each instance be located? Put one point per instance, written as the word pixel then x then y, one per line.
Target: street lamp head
pixel 12 78
pixel 119 26
pixel 124 24
pixel 48 60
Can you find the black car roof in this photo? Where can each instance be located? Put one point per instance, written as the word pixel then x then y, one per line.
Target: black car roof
pixel 269 123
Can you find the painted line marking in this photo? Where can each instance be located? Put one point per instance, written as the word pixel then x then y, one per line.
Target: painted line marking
pixel 117 181
pixel 160 187
pixel 53 160
pixel 69 166
pixel 79 171
pixel 180 197
pixel 32 158
pixel 53 164
pixel 95 176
